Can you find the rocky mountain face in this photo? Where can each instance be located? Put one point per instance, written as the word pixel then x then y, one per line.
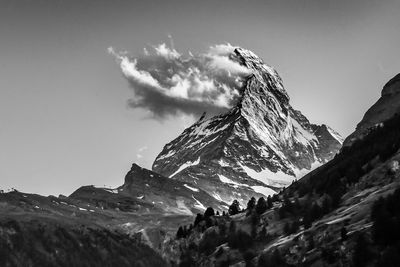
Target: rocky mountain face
pixel 171 196
pixel 260 145
pixel 386 106
pixel 147 192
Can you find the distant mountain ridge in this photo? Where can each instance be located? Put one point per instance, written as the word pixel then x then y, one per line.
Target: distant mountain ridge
pixel 386 106
pixel 260 145
pixel 145 191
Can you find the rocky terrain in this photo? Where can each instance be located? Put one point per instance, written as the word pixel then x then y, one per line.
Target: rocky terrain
pixel 62 231
pixel 123 226
pixel 344 213
pixel 145 191
pixel 259 146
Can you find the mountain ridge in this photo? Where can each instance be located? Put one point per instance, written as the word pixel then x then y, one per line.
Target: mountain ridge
pixel 384 108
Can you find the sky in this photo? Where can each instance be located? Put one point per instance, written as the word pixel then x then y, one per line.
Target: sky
pixel 65 117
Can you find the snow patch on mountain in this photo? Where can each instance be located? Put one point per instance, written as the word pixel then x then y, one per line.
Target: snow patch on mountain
pixel 169 154
pixel 302 135
pixel 217 197
pixel 223 163
pixel 266 191
pixel 185 165
pixel 182 208
pixel 335 135
pixel 225 179
pixel 191 188
pixel 266 176
pixel 198 204
pixel 301 172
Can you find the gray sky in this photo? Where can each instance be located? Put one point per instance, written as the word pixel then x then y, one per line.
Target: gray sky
pixel 64 119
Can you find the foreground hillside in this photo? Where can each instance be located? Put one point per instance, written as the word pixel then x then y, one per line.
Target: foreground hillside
pixel 342 214
pixel 95 226
pixel 49 231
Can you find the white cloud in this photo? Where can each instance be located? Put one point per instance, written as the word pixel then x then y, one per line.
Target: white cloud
pixel 164 51
pixel 141 149
pixel 129 69
pixel 221 49
pixel 139 154
pixel 167 83
pixel 224 63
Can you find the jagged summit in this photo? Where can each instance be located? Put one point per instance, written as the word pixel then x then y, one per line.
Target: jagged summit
pixel 135 171
pixel 263 73
pixel 259 145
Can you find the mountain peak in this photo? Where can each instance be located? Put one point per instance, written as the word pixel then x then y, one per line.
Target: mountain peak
pixel 265 75
pixel 258 146
pixel 136 172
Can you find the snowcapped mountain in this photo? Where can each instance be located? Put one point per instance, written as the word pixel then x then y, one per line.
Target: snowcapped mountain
pixel 260 145
pixel 386 106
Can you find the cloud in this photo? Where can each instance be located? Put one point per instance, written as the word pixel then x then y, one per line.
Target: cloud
pixel 140 151
pixel 167 83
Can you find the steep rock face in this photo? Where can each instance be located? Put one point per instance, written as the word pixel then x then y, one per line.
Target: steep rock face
pixel 386 106
pixel 259 146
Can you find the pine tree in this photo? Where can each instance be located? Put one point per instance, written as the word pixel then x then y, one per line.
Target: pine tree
pixel 198 219
pixel 209 212
pixel 275 198
pixel 234 208
pixel 185 231
pixel 251 204
pixel 269 202
pixel 261 206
